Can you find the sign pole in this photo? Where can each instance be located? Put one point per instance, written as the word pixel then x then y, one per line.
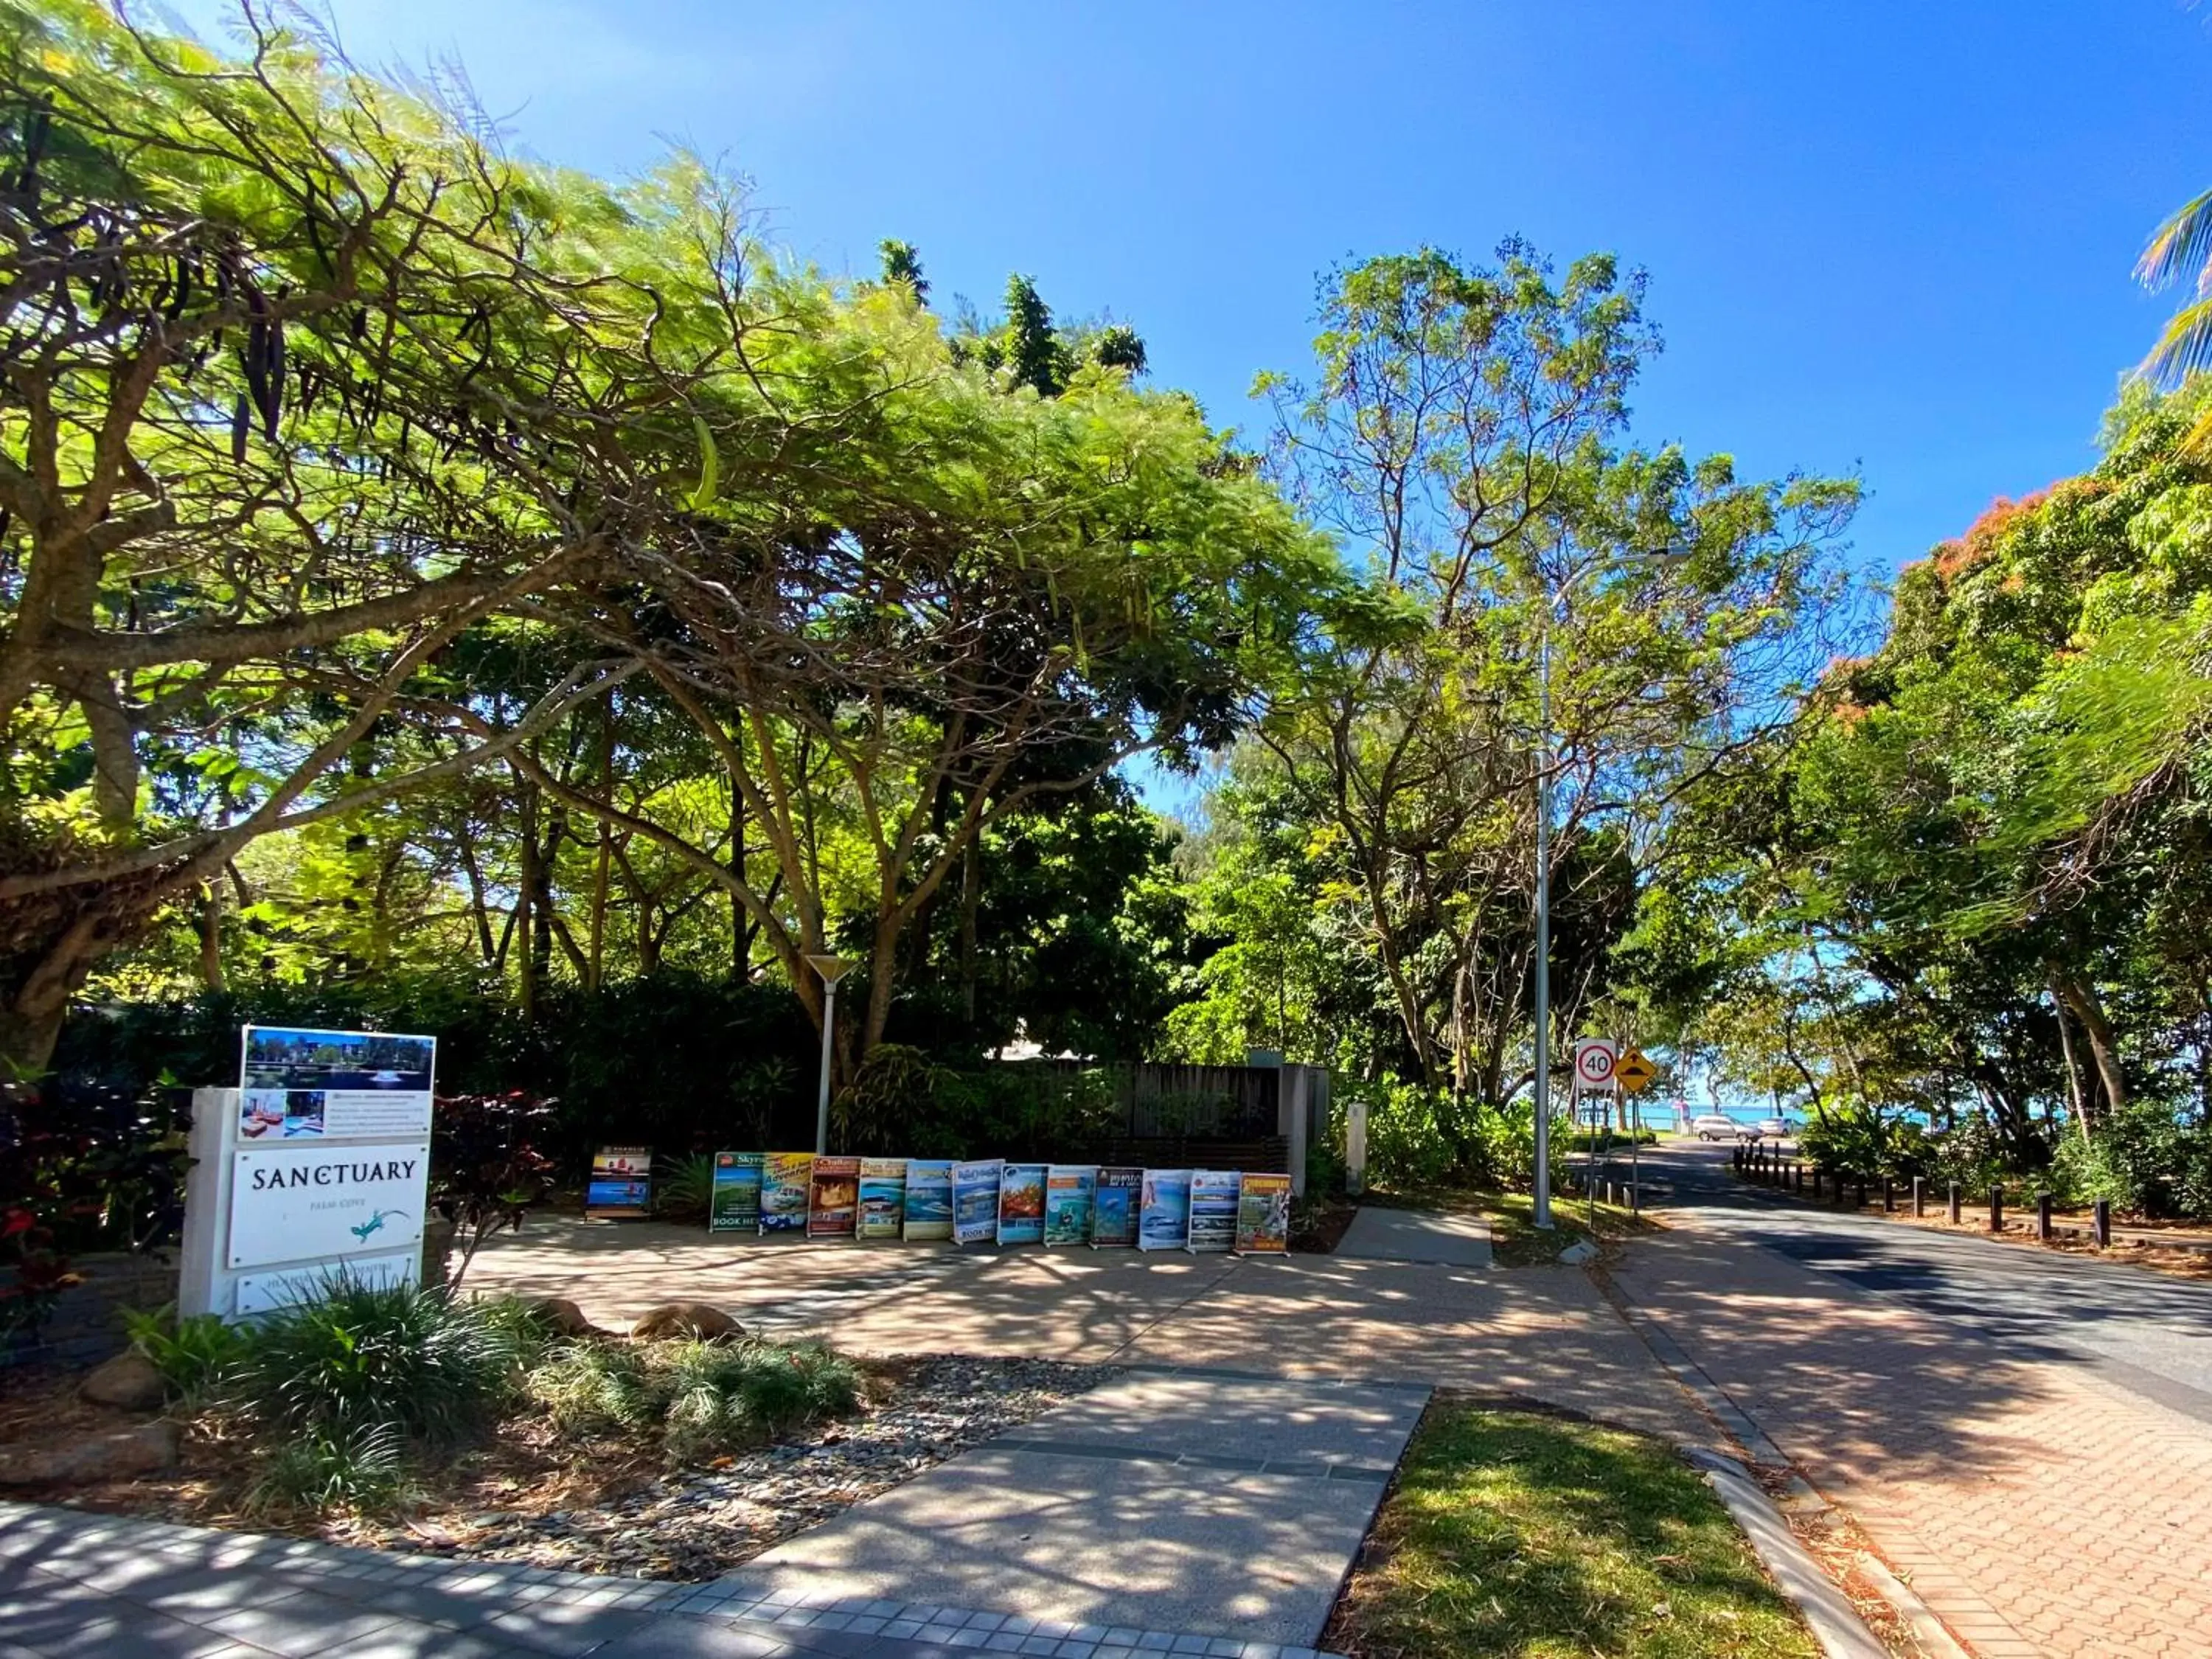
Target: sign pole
pixel 832 968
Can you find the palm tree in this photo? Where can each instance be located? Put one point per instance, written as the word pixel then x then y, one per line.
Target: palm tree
pixel 2182 246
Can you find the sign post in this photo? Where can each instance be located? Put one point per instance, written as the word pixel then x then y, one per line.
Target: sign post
pixel 1593 1063
pixel 317 1164
pixel 1634 1071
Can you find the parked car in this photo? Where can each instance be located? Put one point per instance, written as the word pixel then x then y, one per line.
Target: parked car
pixel 1775 1128
pixel 1713 1126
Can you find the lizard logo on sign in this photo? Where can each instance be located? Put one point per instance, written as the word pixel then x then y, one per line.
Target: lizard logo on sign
pixel 1633 1070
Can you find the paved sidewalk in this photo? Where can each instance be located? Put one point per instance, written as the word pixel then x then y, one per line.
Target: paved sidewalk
pixel 1229 1507
pixel 89 1586
pixel 2036 1508
pixel 1535 1333
pixel 1431 1236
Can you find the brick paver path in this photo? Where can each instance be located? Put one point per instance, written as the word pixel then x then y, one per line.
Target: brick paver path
pixel 2039 1506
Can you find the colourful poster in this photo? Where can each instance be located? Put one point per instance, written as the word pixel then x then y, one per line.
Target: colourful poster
pixel 882 1197
pixel 1113 1208
pixel 832 1200
pixel 1021 1204
pixel 736 1205
pixel 783 1192
pixel 1213 1211
pixel 1164 1211
pixel 1263 1215
pixel 976 1201
pixel 620 1184
pixel 928 1198
pixel 1069 1190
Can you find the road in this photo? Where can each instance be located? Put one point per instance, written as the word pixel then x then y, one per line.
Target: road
pixel 2138 1329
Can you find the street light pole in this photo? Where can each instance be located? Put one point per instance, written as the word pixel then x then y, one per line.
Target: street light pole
pixel 832 968
pixel 1543 1205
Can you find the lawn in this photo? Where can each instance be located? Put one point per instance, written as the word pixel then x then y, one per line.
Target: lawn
pixel 1514 1532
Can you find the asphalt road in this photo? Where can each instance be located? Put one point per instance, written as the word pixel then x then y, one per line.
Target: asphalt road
pixel 2141 1330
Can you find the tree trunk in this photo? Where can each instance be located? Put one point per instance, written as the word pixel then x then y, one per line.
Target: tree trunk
pixel 525 895
pixel 2103 1046
pixel 211 908
pixel 2077 1094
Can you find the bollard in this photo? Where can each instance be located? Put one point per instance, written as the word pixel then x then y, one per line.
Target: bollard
pixel 1919 1196
pixel 1954 1204
pixel 2043 1217
pixel 1816 1182
pixel 1798 1171
pixel 1858 1192
pixel 1996 1209
pixel 1889 1195
pixel 2101 1223
pixel 1840 1190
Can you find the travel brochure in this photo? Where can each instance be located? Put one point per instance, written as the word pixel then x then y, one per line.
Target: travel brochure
pixel 1021 1204
pixel 735 1207
pixel 923 1199
pixel 1164 1211
pixel 883 1196
pixel 295 1083
pixel 833 1204
pixel 621 1183
pixel 1213 1211
pixel 1113 1208
pixel 929 1200
pixel 1263 1215
pixel 783 1192
pixel 1069 1191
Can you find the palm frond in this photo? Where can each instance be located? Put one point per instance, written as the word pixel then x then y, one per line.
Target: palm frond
pixel 2181 246
pixel 2183 348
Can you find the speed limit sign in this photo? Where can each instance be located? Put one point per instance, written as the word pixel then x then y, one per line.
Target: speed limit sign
pixel 1594 1060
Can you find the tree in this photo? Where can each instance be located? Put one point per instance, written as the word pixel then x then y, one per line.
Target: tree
pixel 1460 436
pixel 270 332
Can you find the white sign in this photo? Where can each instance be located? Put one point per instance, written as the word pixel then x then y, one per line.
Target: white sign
pixel 281 1287
pixel 1593 1059
pixel 293 1202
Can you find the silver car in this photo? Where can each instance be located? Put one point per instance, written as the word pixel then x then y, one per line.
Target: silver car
pixel 1713 1126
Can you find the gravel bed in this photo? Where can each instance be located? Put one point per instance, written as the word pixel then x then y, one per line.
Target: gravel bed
pixel 695 1524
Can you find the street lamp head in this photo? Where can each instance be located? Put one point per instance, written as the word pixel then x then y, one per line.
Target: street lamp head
pixel 832 968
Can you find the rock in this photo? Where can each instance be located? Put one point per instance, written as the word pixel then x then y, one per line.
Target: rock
pixel 566 1318
pixel 1580 1251
pixel 129 1380
pixel 140 1450
pixel 696 1320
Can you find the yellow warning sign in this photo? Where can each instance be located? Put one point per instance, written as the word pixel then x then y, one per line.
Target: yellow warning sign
pixel 1633 1070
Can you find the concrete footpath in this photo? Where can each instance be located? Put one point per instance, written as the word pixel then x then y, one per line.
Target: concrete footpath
pixel 92 1586
pixel 1169 1502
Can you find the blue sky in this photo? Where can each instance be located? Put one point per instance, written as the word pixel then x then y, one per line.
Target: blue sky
pixel 1888 237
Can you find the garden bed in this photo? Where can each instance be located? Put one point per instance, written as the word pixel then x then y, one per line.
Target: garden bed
pixel 608 1499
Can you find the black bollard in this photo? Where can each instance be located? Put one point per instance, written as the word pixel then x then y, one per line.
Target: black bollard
pixel 1889 1195
pixel 1996 1209
pixel 2043 1217
pixel 2101 1223
pixel 1954 1204
pixel 1919 1196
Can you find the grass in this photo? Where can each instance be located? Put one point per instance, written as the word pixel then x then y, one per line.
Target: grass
pixel 1513 1533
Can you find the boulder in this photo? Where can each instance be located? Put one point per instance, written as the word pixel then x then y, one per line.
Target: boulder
pixel 128 1381
pixel 695 1320
pixel 566 1318
pixel 80 1460
pixel 1580 1251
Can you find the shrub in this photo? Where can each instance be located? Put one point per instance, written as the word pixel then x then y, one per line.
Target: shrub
pixel 701 1397
pixel 489 1168
pixel 194 1355
pixel 1418 1136
pixel 683 1188
pixel 2144 1160
pixel 430 1368
pixel 361 1467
